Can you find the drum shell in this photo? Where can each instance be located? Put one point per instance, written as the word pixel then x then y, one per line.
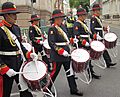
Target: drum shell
pixel 95 55
pixel 36 84
pixel 110 45
pixel 79 67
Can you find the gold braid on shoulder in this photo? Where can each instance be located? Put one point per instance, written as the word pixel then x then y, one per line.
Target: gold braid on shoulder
pixel 12 42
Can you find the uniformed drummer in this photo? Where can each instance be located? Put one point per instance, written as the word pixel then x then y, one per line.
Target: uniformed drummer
pixel 37 37
pixel 84 35
pixel 10 50
pixel 60 51
pixel 96 26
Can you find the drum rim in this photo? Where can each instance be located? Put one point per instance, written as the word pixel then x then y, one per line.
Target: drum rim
pixel 111 41
pixel 83 49
pixel 98 41
pixel 41 77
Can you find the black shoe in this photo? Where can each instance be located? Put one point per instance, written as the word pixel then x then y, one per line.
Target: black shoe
pixel 95 76
pixel 111 64
pixel 76 93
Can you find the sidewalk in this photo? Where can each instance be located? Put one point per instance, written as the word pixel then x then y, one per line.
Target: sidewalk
pixel 112 22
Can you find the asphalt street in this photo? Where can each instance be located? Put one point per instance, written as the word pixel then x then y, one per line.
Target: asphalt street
pixel 107 86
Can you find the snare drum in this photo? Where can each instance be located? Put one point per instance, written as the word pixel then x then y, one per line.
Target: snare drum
pixel 46 46
pixel 79 57
pixel 27 46
pixel 110 40
pixel 97 48
pixel 36 80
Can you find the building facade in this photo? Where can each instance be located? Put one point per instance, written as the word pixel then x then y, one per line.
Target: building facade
pixel 41 7
pixel 111 8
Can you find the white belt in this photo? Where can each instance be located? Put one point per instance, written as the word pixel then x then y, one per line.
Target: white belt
pixel 98 28
pixel 84 36
pixel 12 53
pixel 38 37
pixel 62 43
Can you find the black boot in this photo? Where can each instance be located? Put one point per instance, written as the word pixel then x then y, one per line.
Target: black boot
pixel 95 76
pixel 76 93
pixel 111 64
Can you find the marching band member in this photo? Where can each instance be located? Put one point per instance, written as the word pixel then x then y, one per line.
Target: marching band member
pixel 37 38
pixel 60 50
pixel 83 34
pixel 95 24
pixel 10 50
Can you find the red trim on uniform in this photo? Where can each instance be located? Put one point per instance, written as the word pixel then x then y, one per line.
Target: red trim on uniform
pixel 96 8
pixel 53 70
pixel 95 36
pixel 8 9
pixel 57 15
pixel 81 12
pixel 28 54
pixel 38 41
pixel 84 42
pixel 6 23
pixel 1 86
pixel 4 70
pixel 60 51
pixel 71 40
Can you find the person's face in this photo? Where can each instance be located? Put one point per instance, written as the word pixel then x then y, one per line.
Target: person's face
pixel 36 22
pixel 11 18
pixel 97 12
pixel 59 20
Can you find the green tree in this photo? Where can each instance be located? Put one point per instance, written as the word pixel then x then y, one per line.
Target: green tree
pixel 76 3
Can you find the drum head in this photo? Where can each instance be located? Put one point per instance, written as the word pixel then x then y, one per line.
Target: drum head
pixel 27 46
pixel 45 44
pixel 110 37
pixel 34 75
pixel 80 55
pixel 97 46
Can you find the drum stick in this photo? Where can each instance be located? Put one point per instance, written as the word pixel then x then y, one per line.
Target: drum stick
pixel 25 72
pixel 76 42
pixel 35 61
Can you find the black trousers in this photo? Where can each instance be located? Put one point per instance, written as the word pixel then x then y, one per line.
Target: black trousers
pixel 71 80
pixel 7 86
pixel 106 57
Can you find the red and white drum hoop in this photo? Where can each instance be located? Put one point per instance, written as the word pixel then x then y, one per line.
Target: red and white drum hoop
pixel 110 40
pixel 36 80
pixel 79 59
pixel 46 46
pixel 97 48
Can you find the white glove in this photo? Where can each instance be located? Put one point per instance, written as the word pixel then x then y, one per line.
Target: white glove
pixel 34 56
pixel 99 37
pixel 41 42
pixel 11 72
pixel 65 53
pixel 87 44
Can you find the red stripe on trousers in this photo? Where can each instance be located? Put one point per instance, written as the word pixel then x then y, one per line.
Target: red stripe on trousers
pixel 54 69
pixel 1 86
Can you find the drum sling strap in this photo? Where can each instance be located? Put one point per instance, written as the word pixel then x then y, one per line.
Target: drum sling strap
pixel 15 39
pixel 22 84
pixel 85 28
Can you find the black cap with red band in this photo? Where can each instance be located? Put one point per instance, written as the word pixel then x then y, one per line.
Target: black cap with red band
pixel 96 7
pixel 57 13
pixel 81 11
pixel 7 8
pixel 34 17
